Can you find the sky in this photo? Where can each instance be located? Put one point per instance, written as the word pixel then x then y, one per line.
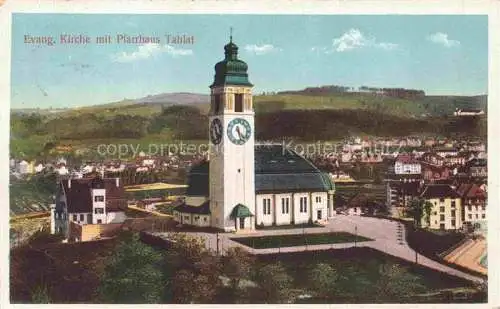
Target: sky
pixel 442 55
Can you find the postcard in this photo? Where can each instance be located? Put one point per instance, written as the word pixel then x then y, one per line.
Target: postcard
pixel 246 157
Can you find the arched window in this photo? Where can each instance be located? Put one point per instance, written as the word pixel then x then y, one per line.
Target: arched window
pixel 238 103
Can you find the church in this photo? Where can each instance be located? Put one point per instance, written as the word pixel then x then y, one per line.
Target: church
pixel 244 185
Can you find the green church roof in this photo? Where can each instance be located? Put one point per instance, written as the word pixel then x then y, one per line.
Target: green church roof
pixel 277 170
pixel 231 70
pixel 241 211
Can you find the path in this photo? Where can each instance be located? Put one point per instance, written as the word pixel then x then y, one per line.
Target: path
pixel 385 233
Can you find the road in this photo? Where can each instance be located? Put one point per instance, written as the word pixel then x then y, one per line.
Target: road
pixel 388 237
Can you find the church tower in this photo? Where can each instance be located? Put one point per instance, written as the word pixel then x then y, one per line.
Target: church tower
pixel 231 150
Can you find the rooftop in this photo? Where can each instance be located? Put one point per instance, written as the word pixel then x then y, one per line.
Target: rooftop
pixel 439 191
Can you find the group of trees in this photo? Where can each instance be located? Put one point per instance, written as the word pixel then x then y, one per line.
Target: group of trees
pixel 401 93
pixel 329 89
pixel 420 210
pixel 189 273
pixel 177 120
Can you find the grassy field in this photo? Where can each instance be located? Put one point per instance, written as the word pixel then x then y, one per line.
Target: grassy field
pixel 360 274
pixel 276 241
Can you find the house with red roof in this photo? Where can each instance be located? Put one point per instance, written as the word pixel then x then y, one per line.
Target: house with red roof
pixel 474 199
pixel 88 201
pixel 406 164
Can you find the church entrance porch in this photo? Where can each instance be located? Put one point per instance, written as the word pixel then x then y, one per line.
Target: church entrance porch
pixel 243 218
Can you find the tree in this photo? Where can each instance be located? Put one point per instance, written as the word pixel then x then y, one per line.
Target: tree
pixel 133 274
pixel 40 295
pixel 322 279
pixel 193 271
pixel 420 209
pixel 274 282
pixel 395 283
pixel 237 266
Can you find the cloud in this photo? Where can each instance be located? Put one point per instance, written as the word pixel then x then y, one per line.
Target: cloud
pixel 387 46
pixel 442 38
pixel 355 39
pixel 149 50
pixel 261 49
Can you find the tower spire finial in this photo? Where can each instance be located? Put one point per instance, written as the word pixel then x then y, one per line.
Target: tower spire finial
pixel 231 34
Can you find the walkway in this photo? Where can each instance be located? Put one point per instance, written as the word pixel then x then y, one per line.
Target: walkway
pixel 386 234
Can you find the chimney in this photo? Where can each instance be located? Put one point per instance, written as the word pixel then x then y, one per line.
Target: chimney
pixel 117 181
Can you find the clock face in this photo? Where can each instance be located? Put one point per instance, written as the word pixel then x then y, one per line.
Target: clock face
pixel 216 131
pixel 239 131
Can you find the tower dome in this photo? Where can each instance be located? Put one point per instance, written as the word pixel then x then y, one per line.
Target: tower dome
pixel 231 70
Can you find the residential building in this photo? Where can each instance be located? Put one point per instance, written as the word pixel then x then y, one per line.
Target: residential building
pixel 446 212
pixel 400 193
pixel 432 172
pixel 468 112
pixel 477 168
pixel 405 164
pixel 474 200
pixel 432 158
pixel 84 201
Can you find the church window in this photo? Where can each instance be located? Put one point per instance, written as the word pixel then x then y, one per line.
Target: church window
pixel 238 106
pixel 318 199
pixel 285 205
pixel 303 204
pixel 267 206
pixel 99 198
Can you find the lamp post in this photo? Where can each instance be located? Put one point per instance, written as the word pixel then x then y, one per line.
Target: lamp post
pixel 416 253
pixel 217 238
pixel 355 236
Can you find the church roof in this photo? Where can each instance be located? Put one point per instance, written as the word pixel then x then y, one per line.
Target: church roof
pixel 275 171
pixel 204 209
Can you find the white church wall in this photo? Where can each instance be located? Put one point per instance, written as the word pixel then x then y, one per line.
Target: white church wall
pixel 185 218
pixel 264 217
pixel 319 202
pixel 284 214
pixel 301 216
pixel 201 220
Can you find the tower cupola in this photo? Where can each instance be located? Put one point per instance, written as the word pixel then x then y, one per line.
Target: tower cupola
pixel 231 70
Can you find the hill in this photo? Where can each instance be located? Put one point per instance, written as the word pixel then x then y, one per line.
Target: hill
pixel 297 116
pixel 179 98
